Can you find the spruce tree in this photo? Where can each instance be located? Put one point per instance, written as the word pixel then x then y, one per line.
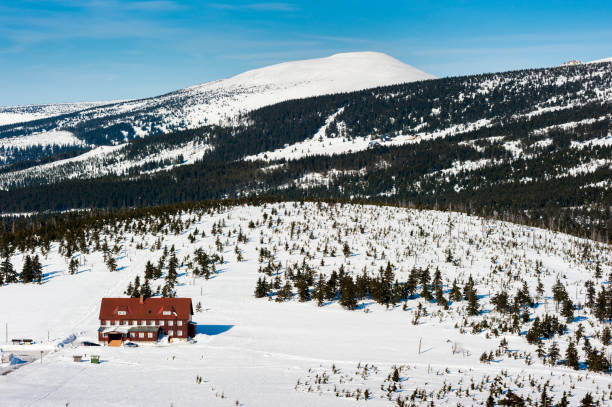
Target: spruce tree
pixel 26 272
pixel 587 401
pixel 455 292
pixel 331 286
pixel 439 289
pixel 347 293
pixel 601 305
pixel 319 290
pixel 545 399
pixel 146 290
pixel 285 293
pixel 524 297
pixel 173 265
pixel 129 290
pixel 111 264
pixel 302 289
pixel 539 289
pixel 136 292
pixel 553 353
pixel 37 270
pixel 568 310
pixel 425 278
pixel 7 271
pixel 606 336
pixel 261 289
pixel 346 250
pixel 149 270
pixel 469 287
pixel 571 355
pixel 73 266
pixel 473 307
pixel 559 293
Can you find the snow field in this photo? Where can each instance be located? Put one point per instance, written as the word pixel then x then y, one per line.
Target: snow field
pixel 49 138
pixel 254 351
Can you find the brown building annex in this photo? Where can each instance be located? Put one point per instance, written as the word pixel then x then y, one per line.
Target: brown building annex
pixel 145 320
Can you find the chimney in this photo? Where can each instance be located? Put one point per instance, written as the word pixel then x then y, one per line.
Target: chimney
pixel 142 299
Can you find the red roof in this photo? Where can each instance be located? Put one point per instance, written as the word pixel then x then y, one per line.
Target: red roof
pixel 151 308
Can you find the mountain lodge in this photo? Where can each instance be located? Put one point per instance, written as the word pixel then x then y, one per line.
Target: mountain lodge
pixel 145 320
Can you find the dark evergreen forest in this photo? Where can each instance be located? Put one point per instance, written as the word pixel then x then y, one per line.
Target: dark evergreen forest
pixel 542 185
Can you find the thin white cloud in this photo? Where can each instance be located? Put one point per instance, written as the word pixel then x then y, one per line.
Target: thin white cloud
pixel 160 5
pixel 256 6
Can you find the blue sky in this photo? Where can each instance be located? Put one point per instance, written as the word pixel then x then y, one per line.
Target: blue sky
pixel 75 50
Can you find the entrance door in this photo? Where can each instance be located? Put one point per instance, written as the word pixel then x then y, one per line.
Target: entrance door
pixel 114 339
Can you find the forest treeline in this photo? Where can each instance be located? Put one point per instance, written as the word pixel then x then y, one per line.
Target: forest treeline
pixel 532 168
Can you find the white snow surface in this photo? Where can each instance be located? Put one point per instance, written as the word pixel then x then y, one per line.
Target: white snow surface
pixel 47 138
pixel 254 352
pixel 597 61
pixel 26 113
pixel 320 144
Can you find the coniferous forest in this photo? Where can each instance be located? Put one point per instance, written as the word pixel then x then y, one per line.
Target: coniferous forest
pixel 523 146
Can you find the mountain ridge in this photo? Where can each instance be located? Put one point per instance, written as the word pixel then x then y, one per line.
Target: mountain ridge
pixel 215 101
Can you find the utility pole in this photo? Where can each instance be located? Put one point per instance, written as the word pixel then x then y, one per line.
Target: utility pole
pixel 420 339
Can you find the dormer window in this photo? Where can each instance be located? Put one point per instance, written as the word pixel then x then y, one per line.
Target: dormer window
pixel 121 312
pixel 167 313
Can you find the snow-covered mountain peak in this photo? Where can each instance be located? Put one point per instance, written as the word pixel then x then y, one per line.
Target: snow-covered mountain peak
pixel 339 72
pixel 221 101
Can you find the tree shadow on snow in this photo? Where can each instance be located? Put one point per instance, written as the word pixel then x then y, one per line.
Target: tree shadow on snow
pixel 211 330
pixel 48 276
pixel 364 305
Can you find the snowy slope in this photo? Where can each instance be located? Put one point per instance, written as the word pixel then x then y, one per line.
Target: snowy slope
pixel 47 138
pixel 255 352
pixel 219 101
pixel 597 61
pixel 20 114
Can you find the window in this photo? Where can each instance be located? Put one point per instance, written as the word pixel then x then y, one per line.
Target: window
pixel 143 322
pixel 161 322
pixel 150 335
pixel 166 313
pixel 179 323
pixel 170 323
pixel 132 334
pixel 179 333
pixel 141 335
pixel 134 322
pixel 121 312
pixel 171 332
